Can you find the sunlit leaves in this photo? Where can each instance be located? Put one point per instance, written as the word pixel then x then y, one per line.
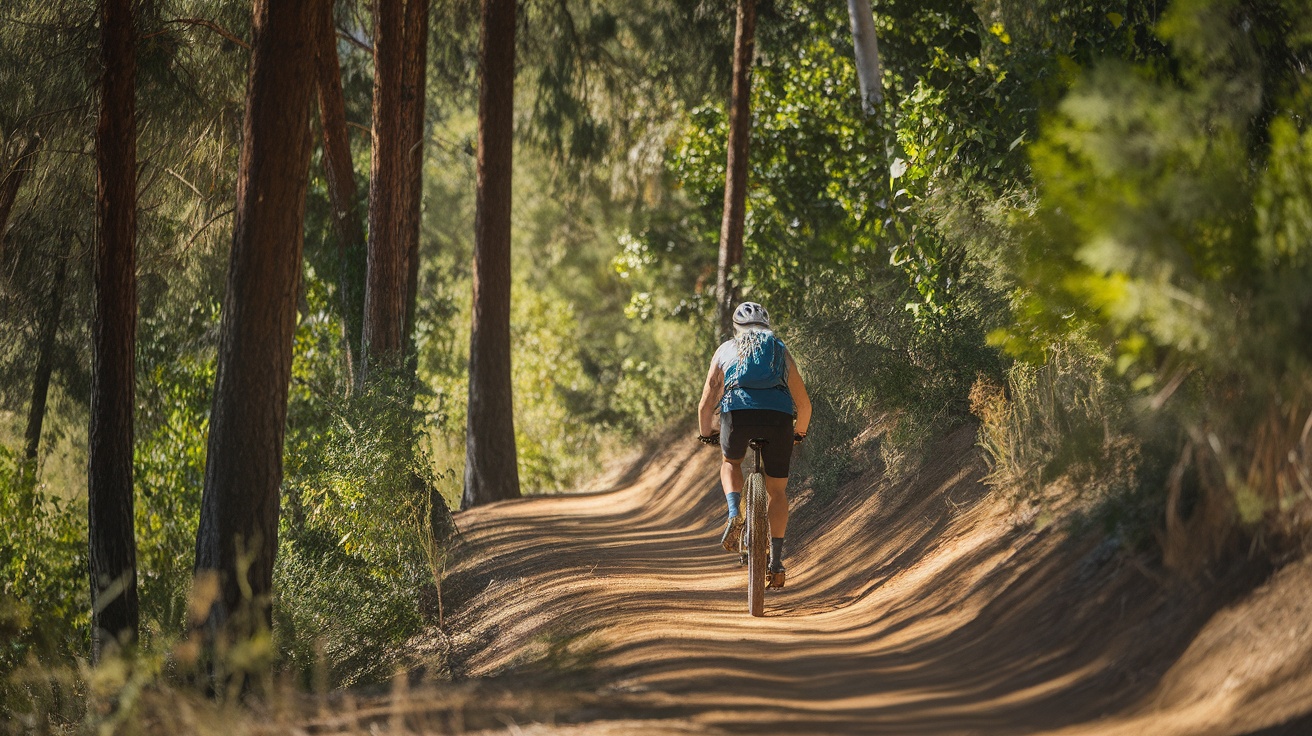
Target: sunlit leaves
pixel 1167 232
pixel 1284 203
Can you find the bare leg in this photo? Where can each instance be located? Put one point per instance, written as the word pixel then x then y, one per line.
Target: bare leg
pixel 777 489
pixel 731 476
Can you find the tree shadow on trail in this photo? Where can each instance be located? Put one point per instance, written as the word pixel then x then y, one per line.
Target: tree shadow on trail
pixel 912 608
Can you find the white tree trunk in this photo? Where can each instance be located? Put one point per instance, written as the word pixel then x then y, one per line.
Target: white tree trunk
pixel 867 53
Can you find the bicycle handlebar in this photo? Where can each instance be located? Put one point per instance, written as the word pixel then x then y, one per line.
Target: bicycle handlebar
pixel 714 439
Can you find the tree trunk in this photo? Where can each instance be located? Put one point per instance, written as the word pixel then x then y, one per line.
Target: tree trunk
pixel 735 181
pixel 413 95
pixel 491 470
pixel 10 184
pixel 340 173
pixel 413 107
pixel 113 547
pixel 386 283
pixel 867 54
pixel 45 364
pixel 238 536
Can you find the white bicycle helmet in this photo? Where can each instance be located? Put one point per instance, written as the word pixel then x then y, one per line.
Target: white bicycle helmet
pixel 751 313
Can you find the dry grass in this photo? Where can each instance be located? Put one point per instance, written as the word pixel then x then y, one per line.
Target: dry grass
pixel 1255 486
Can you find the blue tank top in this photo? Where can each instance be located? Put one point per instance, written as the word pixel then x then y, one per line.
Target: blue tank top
pixel 760 379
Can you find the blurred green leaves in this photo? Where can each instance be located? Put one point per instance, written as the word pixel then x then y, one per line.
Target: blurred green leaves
pixel 1162 226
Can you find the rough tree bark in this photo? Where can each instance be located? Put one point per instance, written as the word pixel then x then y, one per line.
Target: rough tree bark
pixel 113 547
pixel 414 78
pixel 491 471
pixel 10 184
pixel 340 173
pixel 867 54
pixel 386 283
pixel 45 365
pixel 735 181
pixel 238 536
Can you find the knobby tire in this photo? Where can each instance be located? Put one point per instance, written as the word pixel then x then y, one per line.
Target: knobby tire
pixel 757 533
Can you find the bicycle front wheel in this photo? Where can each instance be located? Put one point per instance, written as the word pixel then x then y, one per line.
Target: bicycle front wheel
pixel 757 544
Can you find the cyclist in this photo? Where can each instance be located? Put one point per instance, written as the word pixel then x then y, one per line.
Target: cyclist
pixel 754 383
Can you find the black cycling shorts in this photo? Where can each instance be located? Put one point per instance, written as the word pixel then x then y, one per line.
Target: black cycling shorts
pixel 737 428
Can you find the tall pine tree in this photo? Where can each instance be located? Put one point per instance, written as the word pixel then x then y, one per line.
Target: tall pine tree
pixel 238 536
pixel 339 172
pixel 491 471
pixel 113 549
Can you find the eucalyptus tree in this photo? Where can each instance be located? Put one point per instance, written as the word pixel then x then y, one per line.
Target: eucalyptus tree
pixel 238 536
pixel 491 467
pixel 866 48
pixel 611 77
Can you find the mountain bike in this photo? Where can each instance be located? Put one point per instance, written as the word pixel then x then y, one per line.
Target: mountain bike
pixel 754 540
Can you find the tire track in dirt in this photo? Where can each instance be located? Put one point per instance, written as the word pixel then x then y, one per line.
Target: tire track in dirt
pixel 923 606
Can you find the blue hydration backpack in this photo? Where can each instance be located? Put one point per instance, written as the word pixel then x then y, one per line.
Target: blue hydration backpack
pixel 760 379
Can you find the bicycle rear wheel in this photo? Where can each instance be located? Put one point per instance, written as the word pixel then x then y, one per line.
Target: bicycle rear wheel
pixel 757 544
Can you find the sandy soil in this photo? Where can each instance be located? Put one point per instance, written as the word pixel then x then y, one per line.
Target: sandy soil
pixel 926 606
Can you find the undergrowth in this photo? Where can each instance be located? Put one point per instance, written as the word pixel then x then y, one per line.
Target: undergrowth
pixel 1063 433
pixel 357 569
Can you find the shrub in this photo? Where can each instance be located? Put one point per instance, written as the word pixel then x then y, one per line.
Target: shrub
pixel 1064 431
pixel 45 612
pixel 357 561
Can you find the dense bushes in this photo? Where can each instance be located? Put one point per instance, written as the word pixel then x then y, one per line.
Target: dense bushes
pixel 357 566
pixel 357 561
pixel 42 569
pixel 1170 236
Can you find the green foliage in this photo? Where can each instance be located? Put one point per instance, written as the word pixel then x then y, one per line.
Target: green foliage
pixel 1144 193
pixel 608 74
pixel 169 462
pixel 356 559
pixel 1169 231
pixel 43 578
pixel 864 287
pixel 1147 229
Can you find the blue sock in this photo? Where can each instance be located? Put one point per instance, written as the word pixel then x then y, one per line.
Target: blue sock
pixel 732 500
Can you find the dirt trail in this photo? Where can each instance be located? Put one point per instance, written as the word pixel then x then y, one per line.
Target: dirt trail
pixel 919 607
